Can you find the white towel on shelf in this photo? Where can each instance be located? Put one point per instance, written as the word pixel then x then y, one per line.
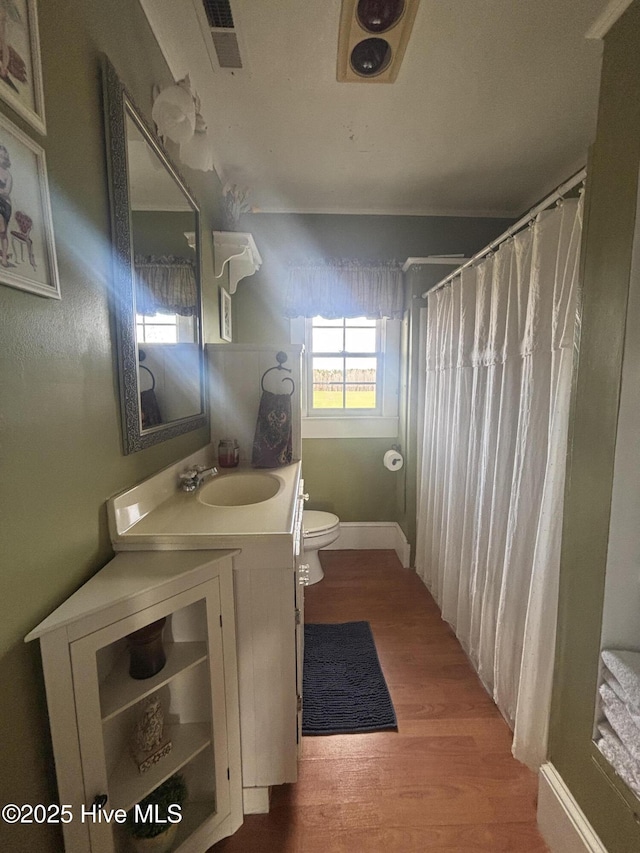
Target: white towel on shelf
pixel 610 680
pixel 621 722
pixel 625 666
pixel 619 758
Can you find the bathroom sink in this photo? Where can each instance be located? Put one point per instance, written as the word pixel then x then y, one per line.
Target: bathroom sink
pixel 239 489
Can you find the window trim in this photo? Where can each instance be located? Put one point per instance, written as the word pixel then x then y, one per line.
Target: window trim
pixel 356 423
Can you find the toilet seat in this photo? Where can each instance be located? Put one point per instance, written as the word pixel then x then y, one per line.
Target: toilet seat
pixel 319 530
pixel 315 523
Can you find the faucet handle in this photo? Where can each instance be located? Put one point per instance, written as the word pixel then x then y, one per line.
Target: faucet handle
pixel 189 474
pixel 203 471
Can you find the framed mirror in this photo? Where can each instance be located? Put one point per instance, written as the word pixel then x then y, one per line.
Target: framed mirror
pixel 157 298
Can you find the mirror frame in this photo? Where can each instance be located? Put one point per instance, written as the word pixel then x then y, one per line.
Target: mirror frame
pixel 118 104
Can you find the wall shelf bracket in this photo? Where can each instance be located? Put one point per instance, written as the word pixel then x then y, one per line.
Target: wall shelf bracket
pixel 239 251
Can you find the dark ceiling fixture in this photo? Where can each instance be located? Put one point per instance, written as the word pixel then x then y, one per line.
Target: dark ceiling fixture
pixel 370 57
pixel 378 16
pixel 363 56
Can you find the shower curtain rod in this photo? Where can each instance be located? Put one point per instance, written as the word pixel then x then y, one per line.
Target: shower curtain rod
pixel 561 191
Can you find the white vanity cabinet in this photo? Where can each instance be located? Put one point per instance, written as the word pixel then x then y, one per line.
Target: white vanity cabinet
pixel 157 517
pixel 270 625
pixel 301 580
pixel 94 704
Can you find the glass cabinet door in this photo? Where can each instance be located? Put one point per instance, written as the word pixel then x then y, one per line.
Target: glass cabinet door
pixel 180 711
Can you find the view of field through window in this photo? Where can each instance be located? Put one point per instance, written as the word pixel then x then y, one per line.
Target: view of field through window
pixel 164 329
pixel 344 363
pixel 157 328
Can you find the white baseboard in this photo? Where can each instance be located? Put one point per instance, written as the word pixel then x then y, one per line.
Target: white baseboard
pixel 560 819
pixel 378 535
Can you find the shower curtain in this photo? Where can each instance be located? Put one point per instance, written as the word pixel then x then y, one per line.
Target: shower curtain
pixel 499 350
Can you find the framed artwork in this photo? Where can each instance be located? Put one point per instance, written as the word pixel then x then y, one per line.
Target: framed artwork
pixel 27 249
pixel 20 67
pixel 225 316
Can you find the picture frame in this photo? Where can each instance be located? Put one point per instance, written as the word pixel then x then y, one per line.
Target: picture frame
pixel 21 77
pixel 226 328
pixel 27 247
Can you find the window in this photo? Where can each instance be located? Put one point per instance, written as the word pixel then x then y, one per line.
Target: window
pixel 344 366
pixel 164 329
pixel 352 376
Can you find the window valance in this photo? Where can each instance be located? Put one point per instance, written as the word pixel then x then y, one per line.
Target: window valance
pixel 344 288
pixel 166 285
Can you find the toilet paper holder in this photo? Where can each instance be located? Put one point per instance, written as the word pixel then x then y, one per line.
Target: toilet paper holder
pixel 392 459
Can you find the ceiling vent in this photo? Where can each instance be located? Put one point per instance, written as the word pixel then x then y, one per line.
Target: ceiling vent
pixel 223 34
pixel 373 38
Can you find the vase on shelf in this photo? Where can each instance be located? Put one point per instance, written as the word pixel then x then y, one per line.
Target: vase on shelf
pixel 235 203
pixel 149 743
pixel 147 655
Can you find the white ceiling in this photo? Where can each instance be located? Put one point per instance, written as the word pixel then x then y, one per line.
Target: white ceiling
pixel 495 104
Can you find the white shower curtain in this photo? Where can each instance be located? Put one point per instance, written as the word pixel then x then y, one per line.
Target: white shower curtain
pixel 499 350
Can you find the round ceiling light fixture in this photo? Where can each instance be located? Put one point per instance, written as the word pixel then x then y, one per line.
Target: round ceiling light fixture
pixel 378 16
pixel 371 57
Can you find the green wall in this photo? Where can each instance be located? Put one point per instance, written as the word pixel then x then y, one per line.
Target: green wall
pixel 606 260
pixel 161 232
pixel 60 441
pixel 346 476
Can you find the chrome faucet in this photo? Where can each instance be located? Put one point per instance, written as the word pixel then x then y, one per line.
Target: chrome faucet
pixel 191 479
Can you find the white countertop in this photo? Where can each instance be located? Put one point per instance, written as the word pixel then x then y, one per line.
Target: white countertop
pixel 157 515
pixel 125 578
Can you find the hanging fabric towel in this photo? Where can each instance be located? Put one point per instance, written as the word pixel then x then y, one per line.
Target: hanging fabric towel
pixel 149 409
pixel 272 442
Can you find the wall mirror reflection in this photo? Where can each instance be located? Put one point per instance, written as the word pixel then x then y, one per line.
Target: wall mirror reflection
pixel 157 296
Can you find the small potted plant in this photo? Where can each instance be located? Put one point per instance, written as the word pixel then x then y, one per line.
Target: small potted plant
pixel 148 822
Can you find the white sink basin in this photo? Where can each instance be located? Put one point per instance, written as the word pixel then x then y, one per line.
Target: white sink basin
pixel 239 489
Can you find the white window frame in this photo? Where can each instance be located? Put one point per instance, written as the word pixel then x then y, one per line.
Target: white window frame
pixel 381 422
pixel 183 326
pixel 343 412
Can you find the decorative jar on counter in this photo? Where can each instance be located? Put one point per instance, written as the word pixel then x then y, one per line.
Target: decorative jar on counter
pixel 228 453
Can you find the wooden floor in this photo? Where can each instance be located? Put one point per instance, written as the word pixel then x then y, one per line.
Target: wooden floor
pixel 445 781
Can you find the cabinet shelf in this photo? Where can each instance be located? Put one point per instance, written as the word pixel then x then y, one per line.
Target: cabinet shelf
pixel 127 786
pixel 119 691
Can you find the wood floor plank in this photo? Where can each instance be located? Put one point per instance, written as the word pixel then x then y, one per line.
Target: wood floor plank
pixel 445 781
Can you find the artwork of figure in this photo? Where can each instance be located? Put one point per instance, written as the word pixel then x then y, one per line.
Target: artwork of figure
pixel 12 65
pixel 27 253
pixel 21 238
pixel 6 185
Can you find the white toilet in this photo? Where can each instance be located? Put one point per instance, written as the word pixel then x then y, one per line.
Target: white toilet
pixel 319 529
